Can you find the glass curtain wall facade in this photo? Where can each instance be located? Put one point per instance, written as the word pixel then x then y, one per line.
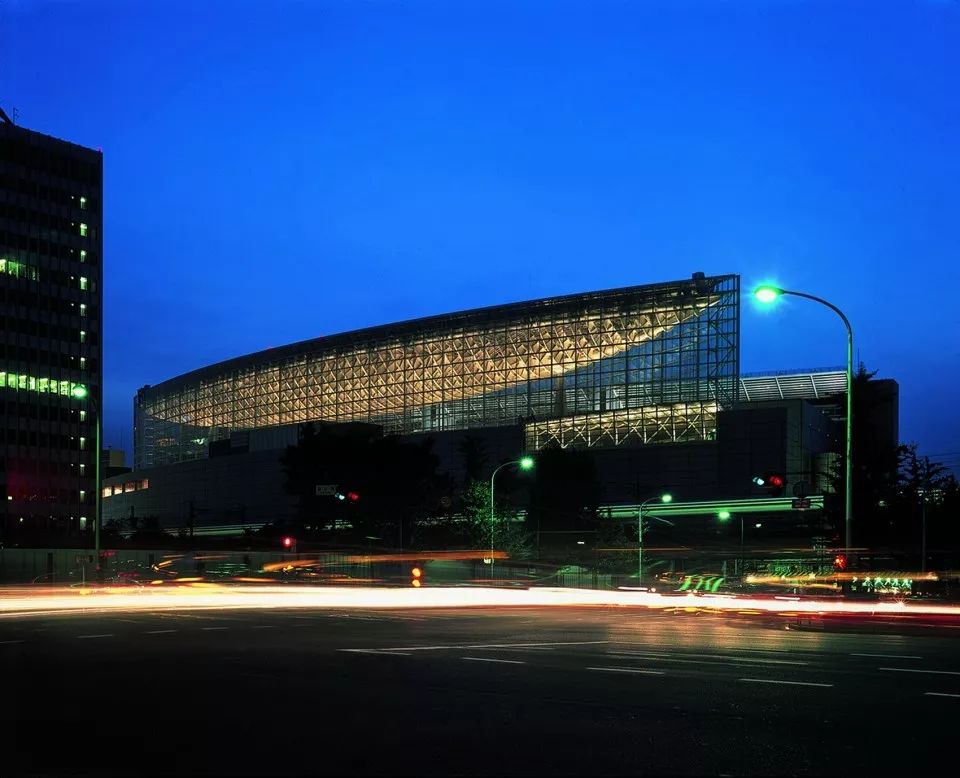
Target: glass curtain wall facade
pixel 593 360
pixel 50 325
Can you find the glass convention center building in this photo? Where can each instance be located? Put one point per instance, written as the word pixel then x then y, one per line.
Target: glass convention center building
pixel 624 367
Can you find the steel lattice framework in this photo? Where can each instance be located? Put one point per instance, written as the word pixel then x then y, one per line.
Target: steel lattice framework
pixel 589 357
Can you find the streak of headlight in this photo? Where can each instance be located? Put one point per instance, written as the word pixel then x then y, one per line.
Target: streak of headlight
pixel 13 600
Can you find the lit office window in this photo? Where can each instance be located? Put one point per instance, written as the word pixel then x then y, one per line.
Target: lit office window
pixel 83 230
pixel 83 255
pixel 83 444
pixel 83 202
pixel 84 284
pixel 145 483
pixel 107 491
pixel 83 309
pixel 83 363
pixel 83 336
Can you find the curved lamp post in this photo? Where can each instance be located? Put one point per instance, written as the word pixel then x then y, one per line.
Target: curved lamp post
pixel 725 516
pixel 524 463
pixel 80 392
pixel 665 498
pixel 766 293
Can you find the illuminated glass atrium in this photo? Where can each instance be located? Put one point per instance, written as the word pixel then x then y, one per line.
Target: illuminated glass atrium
pixel 636 365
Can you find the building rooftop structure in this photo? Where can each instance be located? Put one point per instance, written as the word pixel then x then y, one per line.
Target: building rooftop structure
pixel 644 363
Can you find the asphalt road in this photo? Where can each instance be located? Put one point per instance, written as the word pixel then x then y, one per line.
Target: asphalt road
pixel 486 691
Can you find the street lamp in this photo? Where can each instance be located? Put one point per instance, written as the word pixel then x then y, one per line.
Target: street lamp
pixel 725 515
pixel 524 463
pixel 80 392
pixel 767 293
pixel 665 498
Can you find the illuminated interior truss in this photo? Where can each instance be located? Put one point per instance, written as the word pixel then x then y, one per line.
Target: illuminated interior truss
pixel 680 423
pixel 559 357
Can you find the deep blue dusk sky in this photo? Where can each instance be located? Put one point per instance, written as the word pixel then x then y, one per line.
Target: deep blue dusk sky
pixel 275 171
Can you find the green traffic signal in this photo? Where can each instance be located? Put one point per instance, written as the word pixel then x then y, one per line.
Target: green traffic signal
pixel 526 463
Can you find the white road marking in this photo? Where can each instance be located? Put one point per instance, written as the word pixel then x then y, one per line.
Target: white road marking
pixel 788 683
pixel 889 656
pixel 714 657
pixel 732 661
pixel 85 637
pixel 490 659
pixel 486 645
pixel 8 642
pixel 635 670
pixel 381 651
pixel 160 631
pixel 940 694
pixel 211 629
pixel 911 670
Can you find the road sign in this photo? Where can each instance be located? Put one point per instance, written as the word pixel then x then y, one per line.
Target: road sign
pixel 326 490
pixel 800 503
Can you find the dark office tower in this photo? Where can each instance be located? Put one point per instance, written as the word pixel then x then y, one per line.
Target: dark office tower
pixel 51 249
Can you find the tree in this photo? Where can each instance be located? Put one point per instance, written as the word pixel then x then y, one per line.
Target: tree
pixel 473 449
pixel 564 493
pixel 388 483
pixel 509 532
pixel 874 466
pixel 926 502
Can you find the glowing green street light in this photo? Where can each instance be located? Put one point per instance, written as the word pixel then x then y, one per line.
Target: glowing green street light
pixel 524 463
pixel 665 498
pixel 768 293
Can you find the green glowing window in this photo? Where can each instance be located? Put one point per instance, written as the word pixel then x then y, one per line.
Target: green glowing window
pixel 83 336
pixel 17 269
pixel 83 363
pixel 84 283
pixel 83 309
pixel 83 230
pixel 83 202
pixel 31 383
pixel 83 255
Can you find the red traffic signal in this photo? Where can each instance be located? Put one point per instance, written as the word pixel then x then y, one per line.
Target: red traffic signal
pixel 287 541
pixel 840 562
pixel 774 483
pixel 353 496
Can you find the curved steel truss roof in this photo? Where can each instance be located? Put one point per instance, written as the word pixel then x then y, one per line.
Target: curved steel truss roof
pixel 673 342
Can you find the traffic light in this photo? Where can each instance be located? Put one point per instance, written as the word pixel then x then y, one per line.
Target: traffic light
pixel 353 496
pixel 416 577
pixel 840 562
pixel 774 483
pixel 287 541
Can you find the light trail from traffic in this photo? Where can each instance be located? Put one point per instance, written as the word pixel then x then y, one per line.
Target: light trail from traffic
pixel 206 595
